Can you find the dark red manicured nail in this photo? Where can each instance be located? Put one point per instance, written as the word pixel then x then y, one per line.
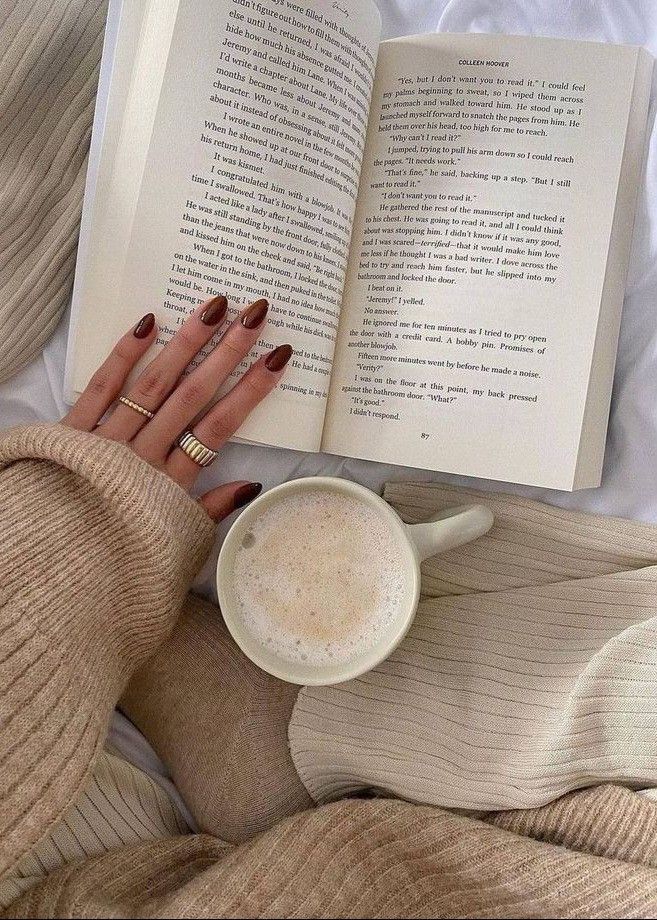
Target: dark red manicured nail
pixel 215 311
pixel 144 326
pixel 278 358
pixel 254 315
pixel 246 494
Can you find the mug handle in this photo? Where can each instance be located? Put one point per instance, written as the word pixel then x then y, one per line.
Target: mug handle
pixel 449 528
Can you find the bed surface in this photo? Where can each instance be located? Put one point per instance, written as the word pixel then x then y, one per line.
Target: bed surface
pixel 629 486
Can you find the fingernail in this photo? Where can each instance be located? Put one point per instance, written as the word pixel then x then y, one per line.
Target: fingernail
pixel 255 314
pixel 215 311
pixel 144 326
pixel 246 494
pixel 278 358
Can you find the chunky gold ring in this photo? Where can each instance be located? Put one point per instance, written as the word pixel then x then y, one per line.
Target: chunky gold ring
pixel 136 407
pixel 196 450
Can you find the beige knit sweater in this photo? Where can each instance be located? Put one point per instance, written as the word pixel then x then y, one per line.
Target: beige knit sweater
pixel 96 553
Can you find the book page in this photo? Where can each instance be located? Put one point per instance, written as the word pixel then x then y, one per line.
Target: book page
pixel 249 189
pixel 596 412
pixel 479 253
pixel 137 38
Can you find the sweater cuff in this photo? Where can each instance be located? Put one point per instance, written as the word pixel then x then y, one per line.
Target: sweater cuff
pixel 131 487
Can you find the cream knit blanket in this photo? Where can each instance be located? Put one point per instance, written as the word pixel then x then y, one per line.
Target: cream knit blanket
pixel 49 60
pixel 530 670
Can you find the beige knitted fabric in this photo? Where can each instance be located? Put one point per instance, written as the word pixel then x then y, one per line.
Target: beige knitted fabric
pixel 530 670
pixel 96 551
pixel 232 766
pixel 381 859
pixel 120 805
pixel 49 58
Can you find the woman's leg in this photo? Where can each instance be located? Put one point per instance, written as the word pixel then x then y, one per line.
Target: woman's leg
pixel 219 723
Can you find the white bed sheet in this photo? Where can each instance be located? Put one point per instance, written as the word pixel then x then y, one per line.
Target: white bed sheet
pixel 630 479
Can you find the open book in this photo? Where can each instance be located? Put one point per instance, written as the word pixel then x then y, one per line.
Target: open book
pixel 441 224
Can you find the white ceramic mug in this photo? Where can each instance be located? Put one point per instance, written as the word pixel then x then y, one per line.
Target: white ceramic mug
pixel 446 530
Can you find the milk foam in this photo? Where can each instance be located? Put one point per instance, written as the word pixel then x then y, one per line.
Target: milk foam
pixel 319 577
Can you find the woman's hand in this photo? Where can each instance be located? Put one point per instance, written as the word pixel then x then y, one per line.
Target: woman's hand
pixel 175 401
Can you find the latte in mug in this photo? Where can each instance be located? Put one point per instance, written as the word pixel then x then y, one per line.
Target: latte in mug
pixel 317 577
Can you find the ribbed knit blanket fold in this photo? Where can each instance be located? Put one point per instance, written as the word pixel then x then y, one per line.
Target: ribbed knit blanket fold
pixel 49 61
pixel 530 670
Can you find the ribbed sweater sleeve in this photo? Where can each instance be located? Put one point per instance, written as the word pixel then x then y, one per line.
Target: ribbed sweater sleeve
pixel 97 551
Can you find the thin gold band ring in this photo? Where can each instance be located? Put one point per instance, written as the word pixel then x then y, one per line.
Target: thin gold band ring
pixel 136 407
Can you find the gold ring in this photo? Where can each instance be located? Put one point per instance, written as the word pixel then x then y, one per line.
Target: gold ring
pixel 196 450
pixel 136 407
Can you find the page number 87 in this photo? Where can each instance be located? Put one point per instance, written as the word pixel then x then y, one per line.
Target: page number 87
pixel 425 435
